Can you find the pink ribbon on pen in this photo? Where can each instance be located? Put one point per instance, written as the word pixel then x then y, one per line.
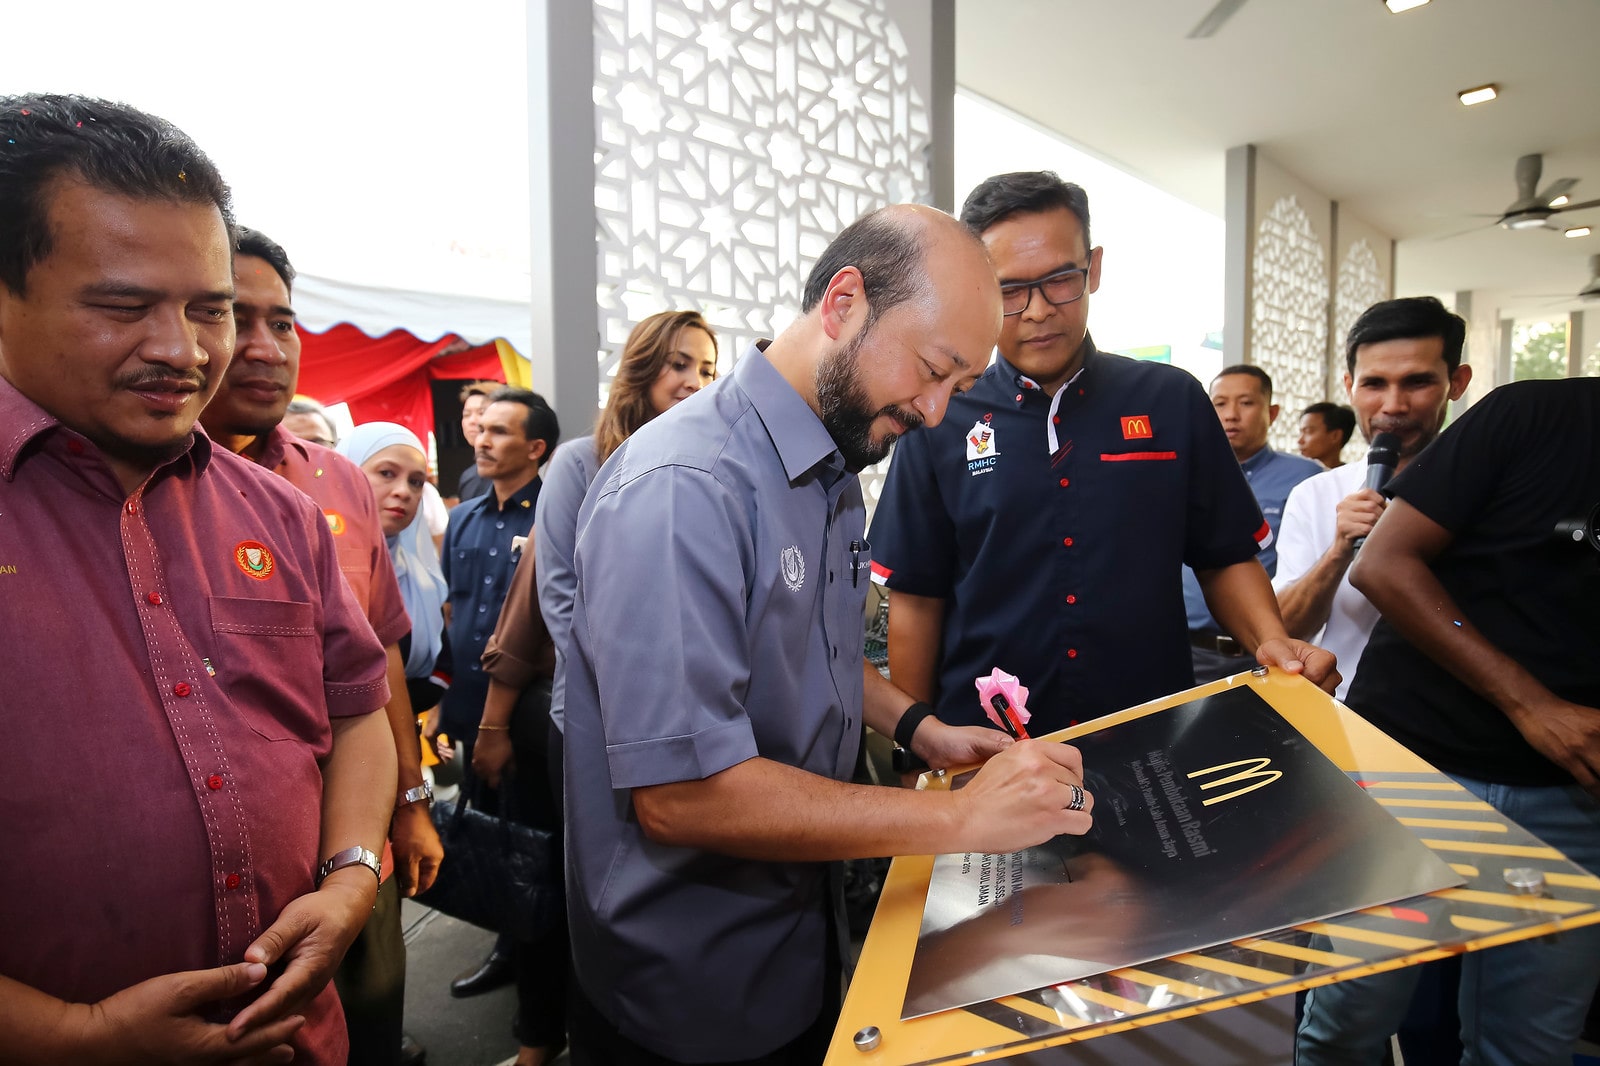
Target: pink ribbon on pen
pixel 1013 696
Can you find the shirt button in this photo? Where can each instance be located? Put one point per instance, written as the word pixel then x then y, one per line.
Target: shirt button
pixel 181 689
pixel 75 447
pixel 1072 599
pixel 1019 397
pixel 154 599
pixel 1067 541
pixel 488 580
pixel 499 525
pixel 1072 653
pixel 214 782
pixel 483 608
pixel 1065 482
pixel 232 881
pixel 1056 420
pixel 133 507
pixel 494 551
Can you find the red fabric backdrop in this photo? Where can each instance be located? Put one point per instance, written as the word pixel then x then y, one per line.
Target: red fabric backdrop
pixel 386 379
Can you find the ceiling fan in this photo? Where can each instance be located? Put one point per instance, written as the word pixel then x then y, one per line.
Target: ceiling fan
pixel 1220 13
pixel 1591 291
pixel 1536 209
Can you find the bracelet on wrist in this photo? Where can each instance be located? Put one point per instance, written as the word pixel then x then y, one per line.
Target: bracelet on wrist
pixel 502 728
pixel 352 856
pixel 909 721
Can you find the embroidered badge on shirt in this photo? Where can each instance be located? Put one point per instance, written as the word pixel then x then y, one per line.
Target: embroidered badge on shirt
pixel 1136 427
pixel 982 448
pixel 254 559
pixel 335 522
pixel 794 568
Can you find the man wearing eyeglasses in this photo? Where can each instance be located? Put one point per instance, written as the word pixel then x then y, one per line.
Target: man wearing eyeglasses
pixel 1043 527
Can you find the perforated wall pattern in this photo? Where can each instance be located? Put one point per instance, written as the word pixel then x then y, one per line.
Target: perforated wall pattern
pixel 1290 313
pixel 735 138
pixel 1360 285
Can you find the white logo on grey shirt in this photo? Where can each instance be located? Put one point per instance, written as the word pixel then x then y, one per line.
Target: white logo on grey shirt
pixel 794 568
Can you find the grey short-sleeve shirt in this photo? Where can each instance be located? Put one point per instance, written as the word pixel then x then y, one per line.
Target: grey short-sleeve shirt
pixel 718 618
pixel 566 482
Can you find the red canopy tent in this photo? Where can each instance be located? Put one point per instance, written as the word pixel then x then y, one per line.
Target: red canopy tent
pixel 386 379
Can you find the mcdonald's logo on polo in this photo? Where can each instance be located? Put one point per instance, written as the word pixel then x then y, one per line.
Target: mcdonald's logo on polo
pixel 336 522
pixel 1136 427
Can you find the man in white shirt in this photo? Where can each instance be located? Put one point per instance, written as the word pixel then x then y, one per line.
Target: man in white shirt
pixel 1403 360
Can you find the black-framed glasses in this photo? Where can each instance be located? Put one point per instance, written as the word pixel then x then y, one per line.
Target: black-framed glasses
pixel 1062 287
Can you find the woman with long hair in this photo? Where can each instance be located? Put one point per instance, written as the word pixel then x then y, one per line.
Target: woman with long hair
pixel 668 357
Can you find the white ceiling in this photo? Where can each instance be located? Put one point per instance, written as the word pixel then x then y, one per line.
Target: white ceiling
pixel 1355 101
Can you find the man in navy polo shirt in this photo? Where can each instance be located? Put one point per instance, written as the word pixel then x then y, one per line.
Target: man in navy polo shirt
pixel 1043 527
pixel 1242 398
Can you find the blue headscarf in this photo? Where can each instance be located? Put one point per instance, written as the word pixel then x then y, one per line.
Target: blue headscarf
pixel 416 563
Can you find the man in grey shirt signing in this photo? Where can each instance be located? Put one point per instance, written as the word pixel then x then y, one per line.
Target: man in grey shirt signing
pixel 716 687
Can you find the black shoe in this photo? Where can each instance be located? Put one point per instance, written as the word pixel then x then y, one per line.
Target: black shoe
pixel 411 1052
pixel 492 974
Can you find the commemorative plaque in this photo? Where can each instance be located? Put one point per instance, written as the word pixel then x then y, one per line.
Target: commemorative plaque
pixel 1213 821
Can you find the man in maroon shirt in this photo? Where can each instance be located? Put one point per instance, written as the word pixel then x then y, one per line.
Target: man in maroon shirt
pixel 246 417
pixel 187 670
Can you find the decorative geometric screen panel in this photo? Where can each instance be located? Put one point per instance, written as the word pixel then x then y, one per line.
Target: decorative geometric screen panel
pixel 1360 284
pixel 735 138
pixel 1290 313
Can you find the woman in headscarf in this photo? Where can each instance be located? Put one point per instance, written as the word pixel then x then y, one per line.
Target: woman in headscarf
pixel 397 466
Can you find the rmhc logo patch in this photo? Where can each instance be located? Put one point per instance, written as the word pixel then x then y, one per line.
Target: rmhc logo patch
pixel 982 448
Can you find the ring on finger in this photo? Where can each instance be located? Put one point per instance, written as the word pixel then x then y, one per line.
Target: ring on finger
pixel 1077 798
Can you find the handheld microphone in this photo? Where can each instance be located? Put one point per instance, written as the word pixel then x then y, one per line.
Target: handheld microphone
pixel 1382 458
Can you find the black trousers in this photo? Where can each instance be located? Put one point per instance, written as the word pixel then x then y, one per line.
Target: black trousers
pixel 372 983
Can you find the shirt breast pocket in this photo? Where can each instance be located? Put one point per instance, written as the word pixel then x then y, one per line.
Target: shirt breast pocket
pixel 465 567
pixel 268 661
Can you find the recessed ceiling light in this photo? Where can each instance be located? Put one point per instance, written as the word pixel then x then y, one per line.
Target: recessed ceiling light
pixel 1482 94
pixel 1398 6
pixel 1577 231
pixel 1561 201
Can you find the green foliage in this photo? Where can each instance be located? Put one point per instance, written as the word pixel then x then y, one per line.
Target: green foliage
pixel 1539 350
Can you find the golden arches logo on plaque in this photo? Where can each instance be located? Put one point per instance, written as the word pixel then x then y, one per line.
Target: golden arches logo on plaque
pixel 1256 771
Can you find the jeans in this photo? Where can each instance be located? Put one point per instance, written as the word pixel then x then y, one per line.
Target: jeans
pixel 1521 1003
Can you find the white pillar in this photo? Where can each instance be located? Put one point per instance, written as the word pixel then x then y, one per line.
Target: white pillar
pixel 561 142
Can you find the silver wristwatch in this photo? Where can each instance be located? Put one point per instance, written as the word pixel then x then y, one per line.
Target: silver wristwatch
pixel 357 855
pixel 423 791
